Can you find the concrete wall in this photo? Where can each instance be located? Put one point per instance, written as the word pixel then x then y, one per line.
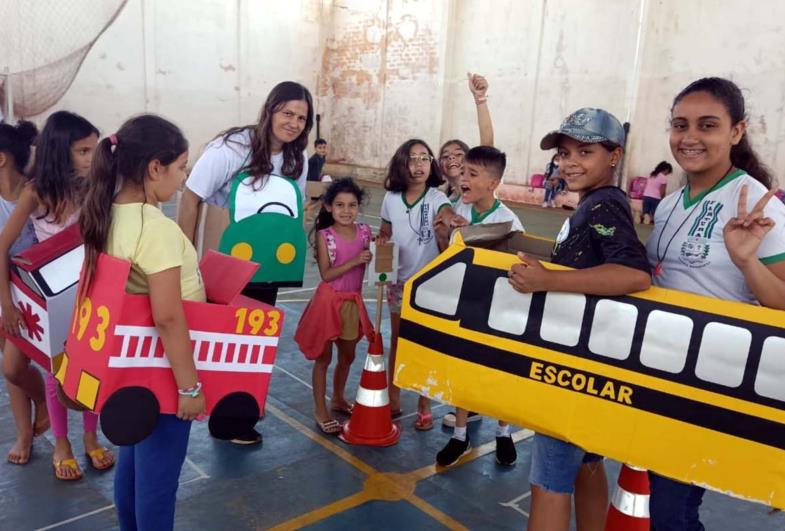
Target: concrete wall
pixel 383 71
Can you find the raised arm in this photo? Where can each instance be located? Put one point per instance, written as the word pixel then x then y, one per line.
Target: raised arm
pixel 478 86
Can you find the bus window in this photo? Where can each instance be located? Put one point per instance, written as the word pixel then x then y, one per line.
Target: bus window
pixel 770 381
pixel 441 292
pixel 666 340
pixel 509 308
pixel 562 318
pixel 612 329
pixel 723 354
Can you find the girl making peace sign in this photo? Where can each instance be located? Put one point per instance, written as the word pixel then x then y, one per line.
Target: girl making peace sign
pixel 719 235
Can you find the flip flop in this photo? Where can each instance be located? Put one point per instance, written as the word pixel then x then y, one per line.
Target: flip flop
pixel 330 427
pixel 342 409
pixel 96 456
pixel 424 422
pixel 70 464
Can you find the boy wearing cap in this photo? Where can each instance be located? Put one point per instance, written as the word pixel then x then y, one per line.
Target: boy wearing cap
pixel 599 241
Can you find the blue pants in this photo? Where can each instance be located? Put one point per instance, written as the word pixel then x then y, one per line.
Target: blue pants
pixel 674 505
pixel 147 476
pixel 550 194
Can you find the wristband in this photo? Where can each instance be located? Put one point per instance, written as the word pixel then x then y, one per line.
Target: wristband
pixel 192 391
pixel 478 101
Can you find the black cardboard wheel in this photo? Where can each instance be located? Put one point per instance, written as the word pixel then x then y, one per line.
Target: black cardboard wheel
pixel 233 415
pixel 129 415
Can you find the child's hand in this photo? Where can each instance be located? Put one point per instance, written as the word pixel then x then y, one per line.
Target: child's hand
pixel 478 86
pixel 744 233
pixel 12 320
pixel 364 257
pixel 381 239
pixel 458 221
pixel 529 276
pixel 188 408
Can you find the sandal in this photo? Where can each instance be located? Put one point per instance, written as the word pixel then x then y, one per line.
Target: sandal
pixel 97 456
pixel 424 422
pixel 330 426
pixel 69 464
pixel 346 410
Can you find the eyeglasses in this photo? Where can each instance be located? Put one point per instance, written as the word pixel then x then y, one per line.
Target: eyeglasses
pixel 425 159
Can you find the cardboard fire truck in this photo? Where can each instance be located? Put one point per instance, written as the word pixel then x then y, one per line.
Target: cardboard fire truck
pixel 115 365
pixel 43 287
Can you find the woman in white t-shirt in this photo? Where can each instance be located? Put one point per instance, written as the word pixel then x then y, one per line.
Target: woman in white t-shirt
pixel 254 171
pixel 720 235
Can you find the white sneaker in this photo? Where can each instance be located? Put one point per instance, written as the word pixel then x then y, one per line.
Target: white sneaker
pixel 544 204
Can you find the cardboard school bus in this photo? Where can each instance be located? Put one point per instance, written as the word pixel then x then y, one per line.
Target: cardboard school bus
pixel 115 364
pixel 688 386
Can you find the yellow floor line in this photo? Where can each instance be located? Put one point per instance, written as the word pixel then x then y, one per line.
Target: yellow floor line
pixel 318 439
pixel 379 485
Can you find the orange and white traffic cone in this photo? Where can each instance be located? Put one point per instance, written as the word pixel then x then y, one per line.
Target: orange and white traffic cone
pixel 629 509
pixel 371 422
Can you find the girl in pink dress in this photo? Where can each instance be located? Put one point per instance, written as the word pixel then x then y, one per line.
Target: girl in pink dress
pixel 336 314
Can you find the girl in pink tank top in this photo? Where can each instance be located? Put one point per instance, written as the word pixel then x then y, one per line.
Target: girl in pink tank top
pixel 51 201
pixel 336 314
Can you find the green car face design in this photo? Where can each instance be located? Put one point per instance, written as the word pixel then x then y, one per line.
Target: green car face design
pixel 266 226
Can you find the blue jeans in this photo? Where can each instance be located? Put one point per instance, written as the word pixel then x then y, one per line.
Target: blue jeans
pixel 555 464
pixel 147 476
pixel 550 194
pixel 673 505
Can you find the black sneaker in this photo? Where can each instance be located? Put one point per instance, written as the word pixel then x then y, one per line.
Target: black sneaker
pixel 449 419
pixel 250 437
pixel 505 451
pixel 452 452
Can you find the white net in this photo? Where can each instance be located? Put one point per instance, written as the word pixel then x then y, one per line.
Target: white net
pixel 43 44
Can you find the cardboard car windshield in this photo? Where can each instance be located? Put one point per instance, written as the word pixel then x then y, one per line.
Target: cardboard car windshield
pixel 43 287
pixel 115 362
pixel 688 386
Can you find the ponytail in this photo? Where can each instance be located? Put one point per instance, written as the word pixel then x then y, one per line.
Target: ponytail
pixel 96 216
pixel 16 140
pixel 744 157
pixel 728 93
pixel 122 158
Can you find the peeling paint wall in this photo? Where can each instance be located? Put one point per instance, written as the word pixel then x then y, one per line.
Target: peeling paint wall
pixel 382 71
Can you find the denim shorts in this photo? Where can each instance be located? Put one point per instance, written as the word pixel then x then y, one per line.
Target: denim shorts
pixel 555 464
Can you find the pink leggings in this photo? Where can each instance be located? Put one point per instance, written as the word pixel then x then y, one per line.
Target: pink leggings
pixel 58 414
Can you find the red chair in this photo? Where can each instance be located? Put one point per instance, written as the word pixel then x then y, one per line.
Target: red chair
pixel 537 180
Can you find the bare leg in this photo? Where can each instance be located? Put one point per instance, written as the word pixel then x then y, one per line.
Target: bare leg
pixel 550 511
pixel 346 350
pixel 395 392
pixel 21 406
pixel 461 416
pixel 17 370
pixel 319 381
pixel 591 497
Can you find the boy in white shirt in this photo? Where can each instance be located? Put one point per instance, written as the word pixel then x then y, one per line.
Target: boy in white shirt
pixel 482 174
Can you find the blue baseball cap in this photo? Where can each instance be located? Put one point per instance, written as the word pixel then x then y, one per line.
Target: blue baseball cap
pixel 588 125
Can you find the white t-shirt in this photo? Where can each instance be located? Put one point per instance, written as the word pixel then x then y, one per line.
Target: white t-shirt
pixel 412 229
pixel 687 239
pixel 211 176
pixel 498 213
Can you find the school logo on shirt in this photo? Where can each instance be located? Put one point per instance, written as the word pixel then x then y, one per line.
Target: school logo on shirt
pixel 696 248
pixel 426 233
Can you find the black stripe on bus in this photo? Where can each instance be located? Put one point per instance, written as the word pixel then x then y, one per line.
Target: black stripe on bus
pixel 476 296
pixel 678 408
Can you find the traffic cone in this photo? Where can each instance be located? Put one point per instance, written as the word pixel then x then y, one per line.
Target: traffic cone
pixel 371 422
pixel 629 509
